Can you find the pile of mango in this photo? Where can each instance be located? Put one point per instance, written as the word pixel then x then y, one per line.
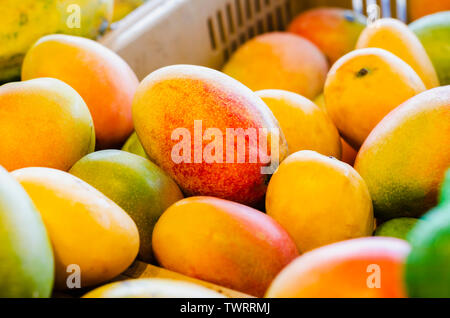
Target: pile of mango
pixel 357 124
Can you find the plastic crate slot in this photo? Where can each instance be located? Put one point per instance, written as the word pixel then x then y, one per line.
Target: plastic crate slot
pixel 226 55
pixel 248 9
pixel 242 38
pixel 212 36
pixel 257 6
pixel 239 12
pixel 223 36
pixel 251 32
pixel 260 27
pixel 280 18
pixel 288 9
pixel 270 24
pixel 234 46
pixel 230 19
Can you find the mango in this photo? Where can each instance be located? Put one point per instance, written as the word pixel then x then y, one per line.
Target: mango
pixel 395 37
pixel 348 154
pixel 319 200
pixel 334 30
pixel 43 122
pixel 137 185
pixel 279 60
pixel 26 268
pixel 24 22
pixel 222 242
pixel 304 124
pixel 104 80
pixel 207 131
pixel 434 33
pixel 427 273
pixel 152 288
pixel 364 86
pixel 421 8
pixel 360 268
pixel 404 159
pixel 399 227
pixel 93 239
pixel 133 145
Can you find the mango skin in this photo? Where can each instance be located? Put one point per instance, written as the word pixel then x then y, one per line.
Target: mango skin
pixel 304 124
pixel 27 266
pixel 43 122
pixel 222 242
pixel 279 60
pixel 104 80
pixel 133 145
pixel 152 288
pixel 364 86
pixel 24 22
pixel 319 200
pixel 421 8
pixel 395 37
pixel 348 154
pixel 137 185
pixel 434 31
pixel 404 159
pixel 344 269
pixel 335 31
pixel 398 228
pixel 173 98
pixel 85 227
pixel 124 7
pixel 445 189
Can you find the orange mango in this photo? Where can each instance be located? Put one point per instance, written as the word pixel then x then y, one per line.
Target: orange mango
pixel 104 80
pixel 184 115
pixel 279 60
pixel 359 268
pixel 222 242
pixel 305 126
pixel 348 154
pixel 404 159
pixel 92 237
pixel 319 200
pixel 395 37
pixel 43 122
pixel 364 86
pixel 334 30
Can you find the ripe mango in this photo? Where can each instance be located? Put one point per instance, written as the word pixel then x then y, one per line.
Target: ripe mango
pixel 279 60
pixel 124 7
pixel 395 36
pixel 184 114
pixel 404 159
pixel 26 268
pixel 24 22
pixel 222 242
pixel 370 267
pixel 137 185
pixel 133 145
pixel 364 86
pixel 152 288
pixel 334 30
pixel 399 227
pixel 319 200
pixel 421 8
pixel 104 80
pixel 304 124
pixel 43 122
pixel 434 33
pixel 92 237
pixel 348 154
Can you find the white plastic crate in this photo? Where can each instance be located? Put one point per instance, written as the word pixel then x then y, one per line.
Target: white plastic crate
pixel 207 32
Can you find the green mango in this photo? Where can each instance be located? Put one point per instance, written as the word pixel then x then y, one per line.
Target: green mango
pixel 136 184
pixel 26 257
pixel 434 32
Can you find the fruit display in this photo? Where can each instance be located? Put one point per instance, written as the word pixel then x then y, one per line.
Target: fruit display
pixel 314 164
